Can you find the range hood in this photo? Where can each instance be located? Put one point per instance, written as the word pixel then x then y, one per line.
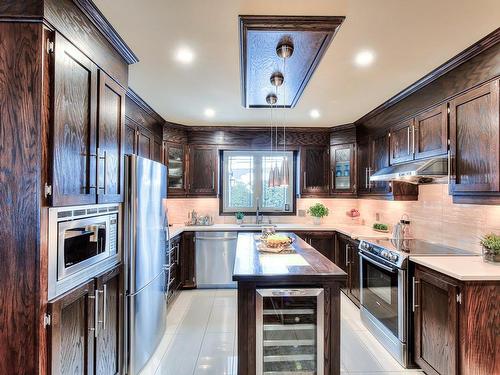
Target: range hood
pixel 433 170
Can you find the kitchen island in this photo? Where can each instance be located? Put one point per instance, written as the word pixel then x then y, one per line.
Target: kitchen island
pixel 288 309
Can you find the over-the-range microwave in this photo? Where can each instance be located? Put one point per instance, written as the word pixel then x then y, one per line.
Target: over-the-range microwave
pixel 83 242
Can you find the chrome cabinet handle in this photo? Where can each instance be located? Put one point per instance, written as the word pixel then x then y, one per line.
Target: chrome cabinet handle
pixel 95 297
pixel 366 178
pixel 213 179
pixel 449 167
pixel 346 255
pixel 408 140
pixel 305 180
pixel 333 183
pixel 105 158
pixel 414 305
pixel 369 175
pixel 105 305
pixel 413 139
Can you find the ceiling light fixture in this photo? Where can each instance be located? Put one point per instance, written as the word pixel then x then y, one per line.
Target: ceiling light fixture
pixel 364 58
pixel 209 112
pixel 314 113
pixel 184 55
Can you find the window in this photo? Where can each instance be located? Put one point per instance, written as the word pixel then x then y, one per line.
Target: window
pixel 245 181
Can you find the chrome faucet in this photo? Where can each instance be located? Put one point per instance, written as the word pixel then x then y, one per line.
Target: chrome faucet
pixel 258 215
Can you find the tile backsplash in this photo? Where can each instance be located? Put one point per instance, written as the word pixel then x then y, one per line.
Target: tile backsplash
pixel 433 217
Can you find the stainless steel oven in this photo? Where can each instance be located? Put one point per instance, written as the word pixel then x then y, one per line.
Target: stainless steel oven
pixel 83 241
pixel 383 292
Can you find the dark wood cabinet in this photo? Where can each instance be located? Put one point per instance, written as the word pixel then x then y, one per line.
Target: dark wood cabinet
pixel 157 152
pixel 86 334
pixel 203 170
pixel 174 275
pixel 430 133
pixel 130 143
pixel 435 323
pixel 475 141
pixel 111 124
pixel 321 241
pixel 175 159
pixel 144 143
pixel 346 257
pixel 140 141
pixel 74 147
pixel 108 354
pixel 314 167
pixel 72 331
pixel 363 164
pixel 401 148
pixel 187 261
pixel 343 170
pixel 379 158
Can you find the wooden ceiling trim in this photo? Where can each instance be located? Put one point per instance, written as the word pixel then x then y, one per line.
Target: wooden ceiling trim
pixel 259 36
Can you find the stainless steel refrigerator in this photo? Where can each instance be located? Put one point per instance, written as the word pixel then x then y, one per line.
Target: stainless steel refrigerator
pixel 146 241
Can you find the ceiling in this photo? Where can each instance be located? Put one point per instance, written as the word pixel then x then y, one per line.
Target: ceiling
pixel 408 38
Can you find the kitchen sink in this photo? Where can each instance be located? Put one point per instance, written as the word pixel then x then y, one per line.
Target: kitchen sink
pixel 256 225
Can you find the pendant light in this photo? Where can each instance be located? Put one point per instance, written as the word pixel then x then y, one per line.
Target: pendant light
pixel 284 50
pixel 271 99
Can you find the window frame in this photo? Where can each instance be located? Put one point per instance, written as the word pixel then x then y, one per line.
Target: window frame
pixel 223 189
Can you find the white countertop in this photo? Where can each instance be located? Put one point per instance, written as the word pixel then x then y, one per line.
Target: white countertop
pixel 355 231
pixel 465 268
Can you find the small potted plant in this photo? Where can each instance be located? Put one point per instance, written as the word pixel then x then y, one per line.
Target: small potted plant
pixel 491 247
pixel 239 217
pixel 317 211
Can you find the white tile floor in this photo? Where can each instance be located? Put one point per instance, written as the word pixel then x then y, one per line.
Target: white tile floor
pixel 201 339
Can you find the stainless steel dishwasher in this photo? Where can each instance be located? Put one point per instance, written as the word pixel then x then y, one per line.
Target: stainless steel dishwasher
pixel 215 254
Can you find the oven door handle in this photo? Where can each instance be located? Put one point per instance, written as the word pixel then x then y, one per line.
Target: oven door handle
pixel 384 267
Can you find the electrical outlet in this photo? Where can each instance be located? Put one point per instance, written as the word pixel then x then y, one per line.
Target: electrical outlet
pixel 302 213
pixel 377 216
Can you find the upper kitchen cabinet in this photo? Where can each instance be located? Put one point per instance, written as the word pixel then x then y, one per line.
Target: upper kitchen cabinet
pixel 430 133
pixel 363 165
pixel 74 144
pixel 342 170
pixel 174 158
pixel 401 148
pixel 379 158
pixel 110 140
pixel 203 170
pixel 474 144
pixel 314 166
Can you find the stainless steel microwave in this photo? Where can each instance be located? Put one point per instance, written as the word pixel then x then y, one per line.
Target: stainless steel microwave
pixel 83 242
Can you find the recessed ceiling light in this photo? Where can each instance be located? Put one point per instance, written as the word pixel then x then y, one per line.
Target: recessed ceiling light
pixel 184 55
pixel 314 113
pixel 209 112
pixel 364 58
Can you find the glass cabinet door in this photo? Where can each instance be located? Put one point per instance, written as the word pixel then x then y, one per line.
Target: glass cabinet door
pixel 342 173
pixel 175 156
pixel 290 331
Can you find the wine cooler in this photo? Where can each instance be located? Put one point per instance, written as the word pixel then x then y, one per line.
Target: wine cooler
pixel 289 331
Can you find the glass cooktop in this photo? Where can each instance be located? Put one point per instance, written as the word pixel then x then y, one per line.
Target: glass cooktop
pixel 419 247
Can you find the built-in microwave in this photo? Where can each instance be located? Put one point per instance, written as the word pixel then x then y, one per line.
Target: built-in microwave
pixel 83 242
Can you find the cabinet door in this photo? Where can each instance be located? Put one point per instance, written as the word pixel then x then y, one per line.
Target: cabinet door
pixel 74 130
pixel 314 166
pixel 72 332
pixel 174 159
pixel 354 272
pixel 435 323
pixel 144 143
pixel 342 169
pixel 401 148
pixel 475 140
pixel 430 134
pixel 108 353
pixel 379 158
pixel 203 170
pixel 157 150
pixel 187 260
pixel 110 140
pixel 363 163
pixel 130 146
pixel 324 243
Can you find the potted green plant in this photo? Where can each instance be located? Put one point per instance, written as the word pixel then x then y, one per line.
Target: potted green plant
pixel 317 211
pixel 491 247
pixel 239 217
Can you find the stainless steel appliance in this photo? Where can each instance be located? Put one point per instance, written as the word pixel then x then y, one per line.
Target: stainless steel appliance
pixel 215 255
pixel 83 241
pixel 146 271
pixel 290 331
pixel 433 170
pixel 384 292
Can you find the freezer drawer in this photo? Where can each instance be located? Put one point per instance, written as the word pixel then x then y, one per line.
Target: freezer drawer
pixel 215 255
pixel 147 320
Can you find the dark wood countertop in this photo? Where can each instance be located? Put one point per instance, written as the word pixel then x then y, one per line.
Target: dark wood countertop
pixel 306 264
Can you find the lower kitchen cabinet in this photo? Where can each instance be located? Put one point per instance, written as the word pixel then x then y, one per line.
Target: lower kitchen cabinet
pixel 174 278
pixel 187 261
pixel 85 331
pixel 321 241
pixel 346 257
pixel 455 324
